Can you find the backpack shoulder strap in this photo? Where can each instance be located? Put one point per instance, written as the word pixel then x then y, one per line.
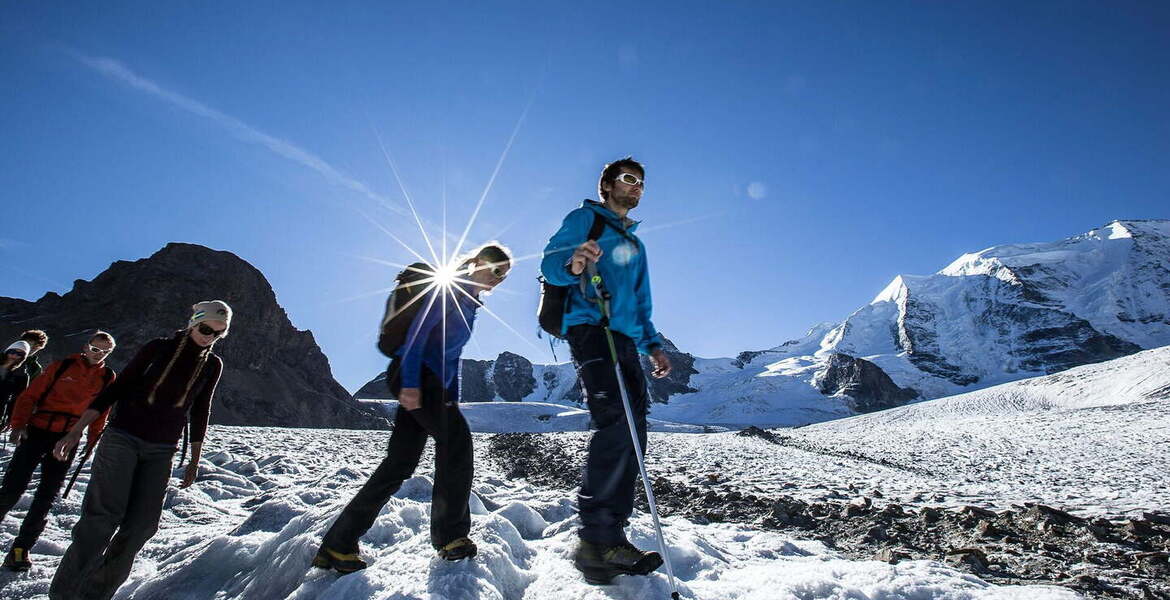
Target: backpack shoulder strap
pixel 599 223
pixel 597 228
pixel 65 364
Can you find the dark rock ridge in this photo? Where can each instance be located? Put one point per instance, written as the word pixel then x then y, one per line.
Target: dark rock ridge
pixel 274 374
pixel 479 380
pixel 868 387
pixel 474 383
pixel 682 367
pixel 512 376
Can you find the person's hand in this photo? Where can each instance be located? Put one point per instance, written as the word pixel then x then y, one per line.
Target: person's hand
pixel 65 446
pixel 410 398
pixel 190 474
pixel 18 435
pixel 584 254
pixel 661 363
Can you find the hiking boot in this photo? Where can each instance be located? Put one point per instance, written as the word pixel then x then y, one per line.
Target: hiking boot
pixel 17 560
pixel 458 549
pixel 342 563
pixel 600 564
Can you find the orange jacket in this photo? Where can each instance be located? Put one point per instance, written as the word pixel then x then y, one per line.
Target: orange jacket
pixel 70 395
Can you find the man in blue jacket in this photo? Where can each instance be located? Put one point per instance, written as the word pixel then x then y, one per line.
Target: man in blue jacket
pixel 606 498
pixel 424 378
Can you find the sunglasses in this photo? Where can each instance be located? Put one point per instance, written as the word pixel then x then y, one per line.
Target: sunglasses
pixel 16 352
pixel 206 330
pixel 630 179
pixel 499 272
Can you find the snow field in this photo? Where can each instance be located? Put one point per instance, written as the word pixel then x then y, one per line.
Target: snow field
pixel 249 528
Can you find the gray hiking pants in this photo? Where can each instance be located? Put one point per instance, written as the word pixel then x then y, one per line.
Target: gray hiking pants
pixel 120 513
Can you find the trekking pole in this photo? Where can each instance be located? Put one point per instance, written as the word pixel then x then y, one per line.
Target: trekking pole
pixel 84 457
pixel 603 296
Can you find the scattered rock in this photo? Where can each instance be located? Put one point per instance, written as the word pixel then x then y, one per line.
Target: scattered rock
pixel 1159 518
pixel 988 529
pixel 892 555
pixel 973 558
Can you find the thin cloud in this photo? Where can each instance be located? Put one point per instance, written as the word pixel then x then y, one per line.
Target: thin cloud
pixel 117 71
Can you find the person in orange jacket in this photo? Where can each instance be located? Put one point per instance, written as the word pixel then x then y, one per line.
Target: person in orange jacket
pixel 41 416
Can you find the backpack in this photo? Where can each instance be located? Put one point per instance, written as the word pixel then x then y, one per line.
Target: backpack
pixel 401 307
pixel 554 299
pixel 107 376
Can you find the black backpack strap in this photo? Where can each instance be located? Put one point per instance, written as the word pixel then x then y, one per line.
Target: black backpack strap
pixel 107 377
pixel 597 227
pixel 595 232
pixel 65 364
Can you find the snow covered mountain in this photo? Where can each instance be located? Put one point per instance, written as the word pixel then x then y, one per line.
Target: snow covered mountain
pixel 1005 313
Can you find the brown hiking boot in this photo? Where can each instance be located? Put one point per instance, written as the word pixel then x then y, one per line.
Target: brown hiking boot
pixel 600 564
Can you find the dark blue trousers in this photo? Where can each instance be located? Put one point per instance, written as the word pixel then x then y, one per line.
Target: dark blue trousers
pixel 606 498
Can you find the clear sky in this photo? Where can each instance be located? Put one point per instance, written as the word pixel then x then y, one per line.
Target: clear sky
pixel 799 155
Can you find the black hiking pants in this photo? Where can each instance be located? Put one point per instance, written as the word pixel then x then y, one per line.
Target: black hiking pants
pixel 36 449
pixel 450 514
pixel 606 499
pixel 120 513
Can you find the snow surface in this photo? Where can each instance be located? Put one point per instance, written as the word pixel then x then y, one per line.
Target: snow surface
pixel 1091 439
pixel 250 526
pixel 537 417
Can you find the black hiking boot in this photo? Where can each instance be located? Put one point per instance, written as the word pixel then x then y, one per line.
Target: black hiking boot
pixel 600 564
pixel 342 563
pixel 458 549
pixel 17 560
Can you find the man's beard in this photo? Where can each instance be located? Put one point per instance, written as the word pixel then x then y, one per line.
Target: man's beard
pixel 627 202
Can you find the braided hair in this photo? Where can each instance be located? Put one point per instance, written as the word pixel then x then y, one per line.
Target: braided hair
pixel 203 354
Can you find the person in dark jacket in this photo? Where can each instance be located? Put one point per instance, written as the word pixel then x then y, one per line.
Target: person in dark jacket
pixel 13 378
pixel 166 387
pixel 606 499
pixel 424 379
pixel 37 339
pixel 42 416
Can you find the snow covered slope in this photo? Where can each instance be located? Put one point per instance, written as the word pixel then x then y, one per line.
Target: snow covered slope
pixel 1094 437
pixel 249 528
pixel 537 417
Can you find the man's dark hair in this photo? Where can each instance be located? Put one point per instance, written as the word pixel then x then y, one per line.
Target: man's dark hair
pixel 494 253
pixel 35 338
pixel 611 171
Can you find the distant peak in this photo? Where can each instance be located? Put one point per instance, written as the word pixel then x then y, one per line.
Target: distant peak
pixel 895 290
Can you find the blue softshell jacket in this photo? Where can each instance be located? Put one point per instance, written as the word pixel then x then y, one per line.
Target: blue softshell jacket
pixel 623 269
pixel 438 333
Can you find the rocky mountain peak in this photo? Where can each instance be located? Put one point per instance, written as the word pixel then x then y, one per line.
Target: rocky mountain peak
pixel 274 374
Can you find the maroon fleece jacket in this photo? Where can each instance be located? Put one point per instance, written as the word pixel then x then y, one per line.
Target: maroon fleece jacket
pixel 162 421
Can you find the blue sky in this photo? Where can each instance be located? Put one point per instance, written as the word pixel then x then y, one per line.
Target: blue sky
pixel 799 155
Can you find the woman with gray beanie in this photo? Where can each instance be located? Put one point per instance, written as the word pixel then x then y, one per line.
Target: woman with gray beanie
pixel 165 388
pixel 13 379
